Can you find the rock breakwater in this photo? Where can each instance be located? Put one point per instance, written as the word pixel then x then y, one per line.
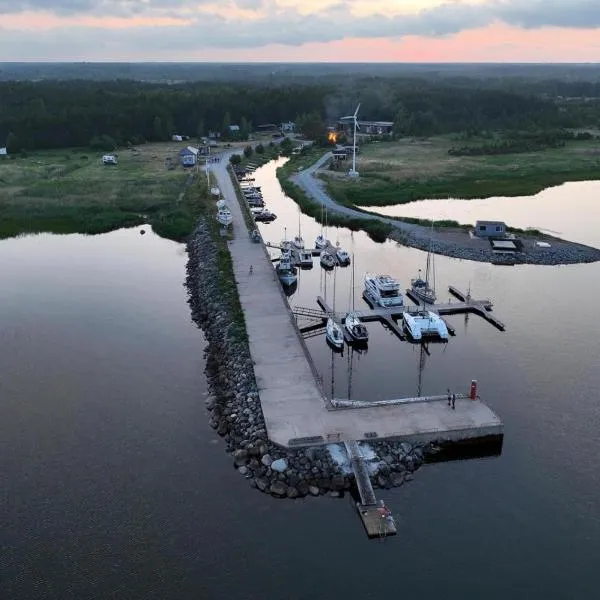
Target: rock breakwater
pixel 234 401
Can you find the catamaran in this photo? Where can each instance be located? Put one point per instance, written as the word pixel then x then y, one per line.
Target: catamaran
pixel 423 323
pixel 383 290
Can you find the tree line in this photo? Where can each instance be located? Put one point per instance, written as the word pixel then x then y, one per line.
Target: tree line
pixel 58 114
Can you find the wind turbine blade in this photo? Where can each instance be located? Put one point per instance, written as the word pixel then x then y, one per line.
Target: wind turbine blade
pixel 356 111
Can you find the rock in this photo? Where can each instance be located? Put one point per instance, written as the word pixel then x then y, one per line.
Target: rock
pixel 243 470
pixel 335 494
pixel 261 483
pixel 302 488
pixel 240 458
pixel 278 488
pixel 313 490
pixel 338 482
pixel 266 460
pixel 397 479
pixel 279 465
pixel 292 492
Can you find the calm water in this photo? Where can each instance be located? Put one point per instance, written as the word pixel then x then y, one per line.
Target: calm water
pixel 115 486
pixel 567 211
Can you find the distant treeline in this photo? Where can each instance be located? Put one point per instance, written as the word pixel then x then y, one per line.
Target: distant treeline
pixel 518 141
pixel 57 114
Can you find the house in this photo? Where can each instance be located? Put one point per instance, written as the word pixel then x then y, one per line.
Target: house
pixel 3 152
pixel 177 138
pixel 289 127
pixel 339 154
pixel 234 130
pixel 266 128
pixel 365 127
pixel 109 159
pixel 214 135
pixel 188 156
pixel 490 229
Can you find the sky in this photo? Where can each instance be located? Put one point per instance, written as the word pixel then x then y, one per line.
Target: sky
pixel 301 30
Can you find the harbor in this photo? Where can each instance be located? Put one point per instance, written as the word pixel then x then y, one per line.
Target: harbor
pixel 297 412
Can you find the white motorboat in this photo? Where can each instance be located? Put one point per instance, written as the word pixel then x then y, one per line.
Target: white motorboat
pixel 355 328
pixel 298 242
pixel 342 256
pixel 334 334
pixel 224 216
pixel 285 270
pixel 215 191
pixel 383 290
pixel 321 242
pixel 221 204
pixel 425 323
pixel 326 259
pixel 303 258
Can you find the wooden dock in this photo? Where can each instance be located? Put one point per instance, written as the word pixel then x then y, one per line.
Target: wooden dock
pixel 390 316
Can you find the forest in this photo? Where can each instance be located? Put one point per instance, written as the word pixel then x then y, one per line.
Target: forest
pixel 103 114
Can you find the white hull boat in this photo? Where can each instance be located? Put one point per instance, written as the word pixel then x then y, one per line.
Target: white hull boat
pixel 355 328
pixel 285 270
pixel 303 258
pixel 224 217
pixel 425 323
pixel 383 290
pixel 321 242
pixel 298 243
pixel 342 256
pixel 327 261
pixel 422 290
pixel 334 334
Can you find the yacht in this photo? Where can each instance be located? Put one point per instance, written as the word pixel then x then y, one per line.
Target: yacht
pixel 285 270
pixel 383 290
pixel 355 328
pixel 334 334
pixel 424 323
pixel 327 260
pixel 321 242
pixel 303 258
pixel 224 216
pixel 342 256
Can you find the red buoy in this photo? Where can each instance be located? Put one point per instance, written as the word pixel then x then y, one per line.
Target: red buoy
pixel 473 394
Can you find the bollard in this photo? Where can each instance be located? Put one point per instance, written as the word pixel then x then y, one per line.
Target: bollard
pixel 473 394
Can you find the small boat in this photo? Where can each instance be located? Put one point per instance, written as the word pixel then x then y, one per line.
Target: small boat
pixel 224 216
pixel 255 202
pixel 321 242
pixel 334 334
pixel 421 288
pixel 327 261
pixel 265 216
pixel 342 256
pixel 355 328
pixel 303 258
pixel 383 290
pixel 215 191
pixel 298 242
pixel 285 270
pixel 424 323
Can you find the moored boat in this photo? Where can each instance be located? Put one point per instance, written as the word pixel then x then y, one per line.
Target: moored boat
pixel 342 256
pixel 303 258
pixel 224 217
pixel 424 323
pixel 334 334
pixel 355 328
pixel 285 270
pixel 264 215
pixel 326 259
pixel 321 242
pixel 383 290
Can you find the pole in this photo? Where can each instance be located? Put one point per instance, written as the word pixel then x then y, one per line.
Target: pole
pixel 354 149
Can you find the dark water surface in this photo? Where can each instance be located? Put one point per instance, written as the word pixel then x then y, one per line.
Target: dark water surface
pixel 114 486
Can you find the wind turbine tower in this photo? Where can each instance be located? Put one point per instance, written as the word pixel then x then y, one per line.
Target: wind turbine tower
pixel 353 172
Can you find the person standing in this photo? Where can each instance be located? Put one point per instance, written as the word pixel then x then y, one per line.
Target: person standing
pixel 453 401
pixel 449 397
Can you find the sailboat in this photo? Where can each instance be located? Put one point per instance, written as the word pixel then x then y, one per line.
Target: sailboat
pixel 298 242
pixel 352 323
pixel 321 241
pixel 333 331
pixel 421 287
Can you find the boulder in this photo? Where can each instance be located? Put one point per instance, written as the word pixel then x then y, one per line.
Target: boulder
pixel 266 460
pixel 278 488
pixel 279 465
pixel 292 492
pixel 313 490
pixel 261 483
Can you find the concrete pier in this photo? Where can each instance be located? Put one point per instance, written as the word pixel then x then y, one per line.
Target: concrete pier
pixel 296 411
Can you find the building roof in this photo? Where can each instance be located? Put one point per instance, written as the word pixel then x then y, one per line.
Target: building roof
pixel 189 150
pixel 234 128
pixel 503 245
pixel 493 223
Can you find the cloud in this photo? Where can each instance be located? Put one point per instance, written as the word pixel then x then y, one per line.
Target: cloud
pixel 271 24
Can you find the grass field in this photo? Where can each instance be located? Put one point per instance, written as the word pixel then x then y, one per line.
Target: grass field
pixel 71 191
pixel 405 170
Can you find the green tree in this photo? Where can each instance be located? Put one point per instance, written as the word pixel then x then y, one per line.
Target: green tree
pixel 12 144
pixel 157 127
pixel 200 129
pixel 248 151
pixel 244 128
pixel 260 149
pixel 235 159
pixel 225 131
pixel 311 125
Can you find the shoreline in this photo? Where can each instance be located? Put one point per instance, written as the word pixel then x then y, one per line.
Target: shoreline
pixel 446 241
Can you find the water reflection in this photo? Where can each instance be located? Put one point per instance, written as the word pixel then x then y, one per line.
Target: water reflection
pixel 569 211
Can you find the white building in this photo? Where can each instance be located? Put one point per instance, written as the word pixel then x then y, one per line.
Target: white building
pixel 109 159
pixel 3 152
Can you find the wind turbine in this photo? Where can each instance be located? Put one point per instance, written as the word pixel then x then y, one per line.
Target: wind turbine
pixel 353 172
